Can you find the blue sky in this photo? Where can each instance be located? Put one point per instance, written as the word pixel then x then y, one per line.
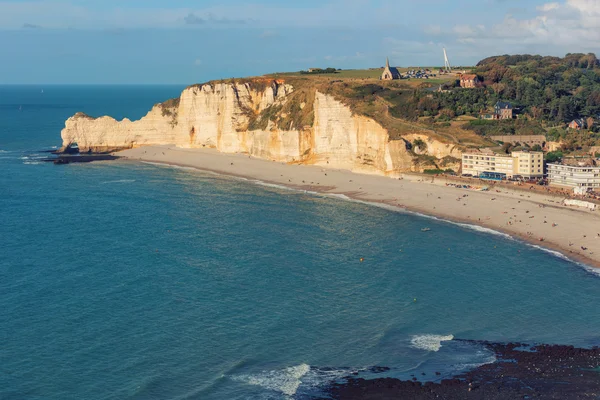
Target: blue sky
pixel 151 41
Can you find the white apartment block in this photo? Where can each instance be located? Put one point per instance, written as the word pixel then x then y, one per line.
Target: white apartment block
pixel 574 176
pixel 523 163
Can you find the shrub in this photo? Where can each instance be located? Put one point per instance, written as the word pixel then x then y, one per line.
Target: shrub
pixel 554 156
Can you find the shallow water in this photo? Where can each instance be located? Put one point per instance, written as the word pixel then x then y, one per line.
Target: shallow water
pixel 125 280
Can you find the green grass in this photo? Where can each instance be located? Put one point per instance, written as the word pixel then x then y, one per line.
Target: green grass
pixel 374 73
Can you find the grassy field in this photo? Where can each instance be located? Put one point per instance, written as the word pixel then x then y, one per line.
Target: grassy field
pixel 364 75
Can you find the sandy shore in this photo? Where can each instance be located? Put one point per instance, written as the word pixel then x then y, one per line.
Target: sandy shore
pixel 530 216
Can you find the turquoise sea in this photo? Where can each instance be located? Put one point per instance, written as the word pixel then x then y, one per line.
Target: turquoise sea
pixel 123 280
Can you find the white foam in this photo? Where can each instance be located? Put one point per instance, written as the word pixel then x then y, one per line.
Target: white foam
pixel 119 181
pixel 282 187
pixel 429 342
pixel 284 381
pixel 552 252
pixel 31 162
pixel 558 254
pixel 468 366
pixel 484 230
pixel 273 185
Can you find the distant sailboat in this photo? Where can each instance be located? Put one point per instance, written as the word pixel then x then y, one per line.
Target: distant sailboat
pixel 20 108
pixel 42 90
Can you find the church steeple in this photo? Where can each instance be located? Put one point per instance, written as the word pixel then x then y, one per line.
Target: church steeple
pixel 387 62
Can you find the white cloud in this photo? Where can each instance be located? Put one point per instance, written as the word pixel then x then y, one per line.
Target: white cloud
pixel 548 7
pixel 556 28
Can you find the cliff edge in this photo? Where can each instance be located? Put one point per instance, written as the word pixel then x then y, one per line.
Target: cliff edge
pixel 270 119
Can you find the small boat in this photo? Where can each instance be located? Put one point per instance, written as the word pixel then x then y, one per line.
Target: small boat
pixel 425 230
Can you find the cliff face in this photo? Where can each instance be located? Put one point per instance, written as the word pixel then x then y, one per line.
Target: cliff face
pixel 225 115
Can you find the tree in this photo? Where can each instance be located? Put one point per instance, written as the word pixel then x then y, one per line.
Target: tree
pixel 419 144
pixel 554 156
pixel 507 147
pixel 589 122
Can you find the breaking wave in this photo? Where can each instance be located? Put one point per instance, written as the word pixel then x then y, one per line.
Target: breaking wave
pixel 284 381
pixel 300 379
pixel 429 342
pixel 282 187
pixel 469 366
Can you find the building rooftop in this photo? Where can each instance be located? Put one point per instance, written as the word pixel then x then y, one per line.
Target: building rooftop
pixel 579 162
pixel 504 105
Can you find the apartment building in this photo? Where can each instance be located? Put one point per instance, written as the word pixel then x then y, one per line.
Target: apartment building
pixel 579 175
pixel 528 164
pixel 487 163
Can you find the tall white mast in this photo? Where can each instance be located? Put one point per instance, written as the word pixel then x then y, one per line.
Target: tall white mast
pixel 447 66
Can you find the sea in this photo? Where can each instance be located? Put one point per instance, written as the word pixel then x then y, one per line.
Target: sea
pixel 125 280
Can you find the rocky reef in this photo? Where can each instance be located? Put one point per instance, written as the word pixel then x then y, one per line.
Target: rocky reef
pixel 270 119
pixel 520 372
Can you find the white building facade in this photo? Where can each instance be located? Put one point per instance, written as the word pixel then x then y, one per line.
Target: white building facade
pixel 570 176
pixel 522 163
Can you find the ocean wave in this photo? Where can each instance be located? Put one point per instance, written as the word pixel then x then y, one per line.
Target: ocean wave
pixel 469 366
pixel 558 254
pixel 429 342
pixel 282 187
pixel 284 381
pixel 272 185
pixel 118 181
pixel 555 253
pixel 297 380
pixel 32 162
pixel 484 230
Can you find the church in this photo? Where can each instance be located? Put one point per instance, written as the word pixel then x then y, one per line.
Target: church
pixel 389 73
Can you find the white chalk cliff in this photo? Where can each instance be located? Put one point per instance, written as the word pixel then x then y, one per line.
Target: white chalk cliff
pixel 220 115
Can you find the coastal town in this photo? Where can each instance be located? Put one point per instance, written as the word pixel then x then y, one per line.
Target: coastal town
pixel 520 159
pixel 527 161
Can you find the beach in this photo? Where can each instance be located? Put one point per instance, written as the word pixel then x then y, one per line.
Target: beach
pixel 537 218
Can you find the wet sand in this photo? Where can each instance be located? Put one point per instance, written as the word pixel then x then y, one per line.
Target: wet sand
pixel 535 217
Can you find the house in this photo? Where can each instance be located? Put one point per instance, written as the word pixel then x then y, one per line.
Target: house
pixel 390 73
pixel 503 110
pixel 577 124
pixel 469 81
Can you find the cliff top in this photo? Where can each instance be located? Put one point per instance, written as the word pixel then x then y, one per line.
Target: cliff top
pixel 379 100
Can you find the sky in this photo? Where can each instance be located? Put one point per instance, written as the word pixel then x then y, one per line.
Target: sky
pixel 182 42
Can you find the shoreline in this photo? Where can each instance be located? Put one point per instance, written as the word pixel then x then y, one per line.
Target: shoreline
pixel 566 231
